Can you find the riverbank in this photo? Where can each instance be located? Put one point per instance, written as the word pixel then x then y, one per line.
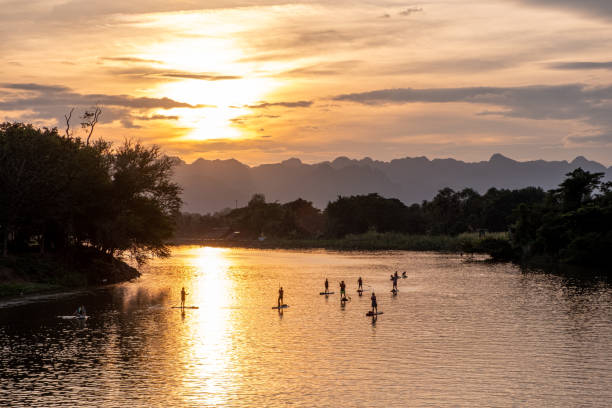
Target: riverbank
pixel 371 241
pixel 29 273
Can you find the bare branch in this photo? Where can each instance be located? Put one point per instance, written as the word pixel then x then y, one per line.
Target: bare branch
pixel 90 118
pixel 68 116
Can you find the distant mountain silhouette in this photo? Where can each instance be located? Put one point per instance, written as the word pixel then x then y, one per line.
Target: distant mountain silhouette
pixel 212 185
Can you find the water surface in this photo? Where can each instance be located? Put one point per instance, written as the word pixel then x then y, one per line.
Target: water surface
pixel 457 334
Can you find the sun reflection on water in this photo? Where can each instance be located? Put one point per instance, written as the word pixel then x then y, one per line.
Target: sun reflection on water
pixel 208 329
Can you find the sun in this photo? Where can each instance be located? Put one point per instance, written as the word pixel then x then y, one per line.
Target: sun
pixel 222 102
pixel 207 71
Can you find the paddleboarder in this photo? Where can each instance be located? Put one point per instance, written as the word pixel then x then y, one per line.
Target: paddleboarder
pixel 360 284
pixel 395 282
pixel 374 304
pixel 183 294
pixel 342 290
pixel 326 285
pixel 80 312
pixel 280 296
pixel 404 274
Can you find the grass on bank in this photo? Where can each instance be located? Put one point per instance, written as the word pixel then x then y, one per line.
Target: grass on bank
pixel 467 242
pixel 28 273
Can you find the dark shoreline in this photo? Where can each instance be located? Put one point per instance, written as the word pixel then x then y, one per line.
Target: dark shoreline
pixel 31 273
pixel 442 244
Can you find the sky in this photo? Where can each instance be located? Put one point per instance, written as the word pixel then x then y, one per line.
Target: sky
pixel 263 81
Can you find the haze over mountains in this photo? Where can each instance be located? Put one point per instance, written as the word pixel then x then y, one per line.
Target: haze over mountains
pixel 212 185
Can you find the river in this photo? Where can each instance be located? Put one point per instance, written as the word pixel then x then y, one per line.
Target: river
pixel 459 333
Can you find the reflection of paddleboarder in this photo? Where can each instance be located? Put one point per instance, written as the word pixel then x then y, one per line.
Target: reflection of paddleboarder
pixel 280 297
pixel 183 294
pixel 374 304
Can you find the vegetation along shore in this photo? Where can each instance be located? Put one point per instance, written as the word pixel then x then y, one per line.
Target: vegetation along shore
pixel 570 225
pixel 72 210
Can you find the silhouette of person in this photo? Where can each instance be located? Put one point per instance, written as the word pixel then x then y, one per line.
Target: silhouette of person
pixel 326 286
pixel 360 284
pixel 280 297
pixel 342 290
pixel 183 294
pixel 374 304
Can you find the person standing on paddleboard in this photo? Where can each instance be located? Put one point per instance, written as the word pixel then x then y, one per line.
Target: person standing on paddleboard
pixel 326 285
pixel 374 304
pixel 395 282
pixel 183 294
pixel 280 297
pixel 360 284
pixel 80 312
pixel 342 290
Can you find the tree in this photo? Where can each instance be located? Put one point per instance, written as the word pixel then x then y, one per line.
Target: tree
pixel 144 203
pixel 577 188
pixel 63 193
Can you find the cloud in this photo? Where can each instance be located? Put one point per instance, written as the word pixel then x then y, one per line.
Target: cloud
pixel 53 101
pixel 581 65
pixel 35 87
pixel 595 8
pixel 591 105
pixel 131 60
pixel 202 76
pixel 602 138
pixel 158 117
pixel 410 10
pixel 298 104
pixel 157 74
pixel 330 68
pixel 251 120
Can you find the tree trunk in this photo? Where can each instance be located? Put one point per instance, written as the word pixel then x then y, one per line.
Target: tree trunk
pixel 5 242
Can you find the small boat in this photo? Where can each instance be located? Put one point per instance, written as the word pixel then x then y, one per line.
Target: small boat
pixel 74 317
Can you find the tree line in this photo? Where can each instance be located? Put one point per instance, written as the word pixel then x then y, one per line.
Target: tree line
pixel 448 213
pixel 59 193
pixel 571 224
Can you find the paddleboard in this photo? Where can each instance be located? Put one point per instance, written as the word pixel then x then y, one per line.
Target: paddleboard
pixel 373 314
pixel 326 293
pixel 394 291
pixel 280 307
pixel 73 317
pixel 186 307
pixel 344 299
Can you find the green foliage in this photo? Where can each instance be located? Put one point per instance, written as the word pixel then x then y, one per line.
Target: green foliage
pixel 359 214
pixel 571 225
pixel 61 193
pixel 296 220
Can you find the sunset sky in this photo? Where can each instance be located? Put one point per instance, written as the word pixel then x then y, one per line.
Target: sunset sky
pixel 262 81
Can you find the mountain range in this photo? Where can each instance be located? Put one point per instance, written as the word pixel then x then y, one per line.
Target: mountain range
pixel 213 185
